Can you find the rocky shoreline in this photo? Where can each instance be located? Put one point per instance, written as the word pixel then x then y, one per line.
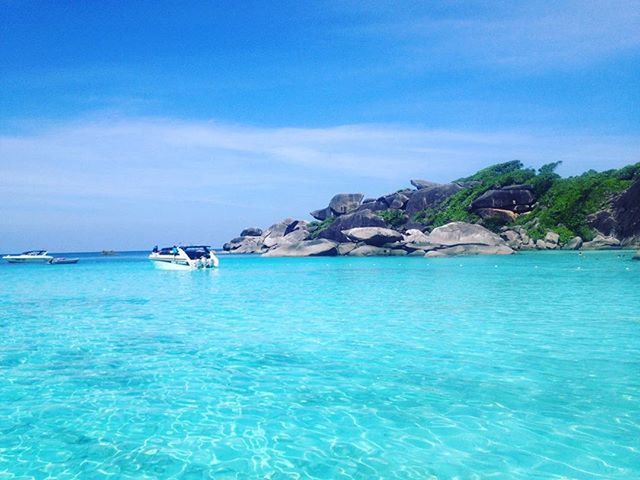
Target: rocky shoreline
pixel 389 225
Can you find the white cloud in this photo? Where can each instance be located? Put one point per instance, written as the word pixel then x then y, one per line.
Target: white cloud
pixel 213 153
pixel 137 170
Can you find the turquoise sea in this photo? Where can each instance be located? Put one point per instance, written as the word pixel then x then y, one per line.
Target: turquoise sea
pixel 521 367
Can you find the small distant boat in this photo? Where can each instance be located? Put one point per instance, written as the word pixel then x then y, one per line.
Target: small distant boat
pixel 184 258
pixel 63 261
pixel 31 256
pixel 108 253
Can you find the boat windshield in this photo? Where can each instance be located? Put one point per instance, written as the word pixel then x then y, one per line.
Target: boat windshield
pixel 34 253
pixel 196 252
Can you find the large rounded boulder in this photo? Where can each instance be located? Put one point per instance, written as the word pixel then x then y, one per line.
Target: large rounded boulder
pixel 278 229
pixel 363 218
pixel 430 197
pixel 251 232
pixel 517 198
pixel 462 233
pixel 376 236
pixel 460 238
pixel 245 244
pixel 344 203
pixel 601 242
pixel 308 248
pixel 322 214
pixel 285 232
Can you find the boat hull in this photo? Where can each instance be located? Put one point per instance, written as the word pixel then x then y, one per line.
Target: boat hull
pixel 169 265
pixel 27 259
pixel 64 261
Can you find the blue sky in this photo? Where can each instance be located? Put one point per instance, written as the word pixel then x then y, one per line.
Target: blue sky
pixel 126 124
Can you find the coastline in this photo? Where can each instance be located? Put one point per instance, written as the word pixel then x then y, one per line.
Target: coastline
pixel 497 211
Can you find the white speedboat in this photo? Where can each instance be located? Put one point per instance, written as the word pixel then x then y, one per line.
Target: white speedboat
pixel 184 258
pixel 32 256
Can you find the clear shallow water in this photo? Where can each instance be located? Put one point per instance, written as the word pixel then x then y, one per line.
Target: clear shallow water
pixel 503 367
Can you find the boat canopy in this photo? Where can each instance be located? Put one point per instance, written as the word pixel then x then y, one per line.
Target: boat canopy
pixel 195 252
pixel 34 252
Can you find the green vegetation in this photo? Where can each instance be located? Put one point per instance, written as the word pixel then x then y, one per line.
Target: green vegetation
pixel 567 203
pixel 457 207
pixel 393 217
pixel 315 228
pixel 564 204
pixel 454 209
pixel 508 173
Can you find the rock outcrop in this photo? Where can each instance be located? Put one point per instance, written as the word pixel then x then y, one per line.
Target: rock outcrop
pixel 603 221
pixel 415 240
pixel 497 215
pixel 627 213
pixel 461 233
pixel 278 229
pixel 358 219
pixel 340 204
pixel 243 245
pixel 547 243
pixel 460 238
pixel 289 239
pixel 376 236
pixel 516 198
pixel 397 201
pixel 251 232
pixel 420 184
pixel 430 197
pixel 344 203
pixel 622 218
pixel 285 232
pixel 377 205
pixel 398 223
pixel 601 242
pixel 308 248
pixel 345 248
pixel 322 214
pixel 517 238
pixel 574 244
pixel 552 240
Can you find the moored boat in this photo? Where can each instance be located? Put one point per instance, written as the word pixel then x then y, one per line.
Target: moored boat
pixel 30 256
pixel 63 261
pixel 189 257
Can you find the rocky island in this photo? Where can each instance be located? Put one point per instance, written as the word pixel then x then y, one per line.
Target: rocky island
pixel 498 210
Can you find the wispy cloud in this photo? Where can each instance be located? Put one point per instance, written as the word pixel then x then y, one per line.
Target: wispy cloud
pixel 139 169
pixel 163 147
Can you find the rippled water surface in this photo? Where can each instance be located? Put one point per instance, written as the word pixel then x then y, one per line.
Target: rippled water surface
pixel 514 367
